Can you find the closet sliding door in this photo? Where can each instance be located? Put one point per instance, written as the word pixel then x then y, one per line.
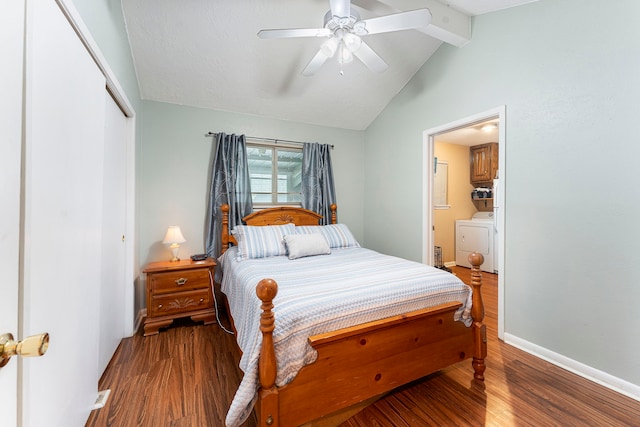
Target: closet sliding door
pixel 113 285
pixel 63 219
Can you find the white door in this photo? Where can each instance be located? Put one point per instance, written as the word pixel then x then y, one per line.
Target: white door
pixel 11 28
pixel 63 185
pixel 52 258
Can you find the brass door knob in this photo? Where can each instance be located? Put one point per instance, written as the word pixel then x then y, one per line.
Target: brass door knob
pixel 35 345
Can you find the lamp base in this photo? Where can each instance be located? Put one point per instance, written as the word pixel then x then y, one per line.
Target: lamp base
pixel 174 251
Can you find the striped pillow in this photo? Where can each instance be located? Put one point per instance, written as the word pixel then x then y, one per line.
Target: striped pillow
pixel 338 235
pixel 261 241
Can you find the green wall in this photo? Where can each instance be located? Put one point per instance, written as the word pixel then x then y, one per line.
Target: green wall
pixel 567 71
pixel 175 167
pixel 105 21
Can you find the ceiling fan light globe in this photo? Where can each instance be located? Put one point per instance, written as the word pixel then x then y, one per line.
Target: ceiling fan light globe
pixel 345 55
pixel 352 42
pixel 329 47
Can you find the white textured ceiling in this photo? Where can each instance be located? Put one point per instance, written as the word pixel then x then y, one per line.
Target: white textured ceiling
pixel 205 53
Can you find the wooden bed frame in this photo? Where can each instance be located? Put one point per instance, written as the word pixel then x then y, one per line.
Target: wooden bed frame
pixel 358 363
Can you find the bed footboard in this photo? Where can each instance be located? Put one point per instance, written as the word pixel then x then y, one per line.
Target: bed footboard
pixel 360 362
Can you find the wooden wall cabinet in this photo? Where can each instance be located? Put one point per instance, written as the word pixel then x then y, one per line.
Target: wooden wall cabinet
pixel 483 159
pixel 179 289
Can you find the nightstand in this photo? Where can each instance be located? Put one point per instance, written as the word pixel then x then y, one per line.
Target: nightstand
pixel 179 289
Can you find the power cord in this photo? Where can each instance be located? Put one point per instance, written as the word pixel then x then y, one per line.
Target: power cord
pixel 215 304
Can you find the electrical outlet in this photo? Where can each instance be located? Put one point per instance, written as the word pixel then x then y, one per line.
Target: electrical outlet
pixel 101 400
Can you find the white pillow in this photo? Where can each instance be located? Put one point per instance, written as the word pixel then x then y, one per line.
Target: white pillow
pixel 338 235
pixel 261 241
pixel 302 245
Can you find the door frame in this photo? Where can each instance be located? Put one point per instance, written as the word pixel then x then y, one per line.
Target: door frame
pixel 427 192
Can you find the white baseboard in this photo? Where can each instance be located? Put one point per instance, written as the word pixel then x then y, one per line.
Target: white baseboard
pixel 139 318
pixel 609 381
pixel 450 264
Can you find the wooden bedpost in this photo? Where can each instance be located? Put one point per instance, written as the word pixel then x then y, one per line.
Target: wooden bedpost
pixel 477 313
pixel 225 228
pixel 334 218
pixel 267 404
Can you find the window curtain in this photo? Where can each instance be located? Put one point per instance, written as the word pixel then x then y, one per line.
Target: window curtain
pixel 229 184
pixel 318 190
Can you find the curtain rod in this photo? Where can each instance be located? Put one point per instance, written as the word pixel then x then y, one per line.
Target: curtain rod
pixel 275 141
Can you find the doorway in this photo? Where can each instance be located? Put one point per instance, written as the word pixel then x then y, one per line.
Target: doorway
pixel 429 164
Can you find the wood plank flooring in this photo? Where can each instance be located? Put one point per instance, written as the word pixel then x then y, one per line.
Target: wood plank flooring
pixel 187 375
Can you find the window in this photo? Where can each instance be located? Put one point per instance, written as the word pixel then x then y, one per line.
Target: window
pixel 275 173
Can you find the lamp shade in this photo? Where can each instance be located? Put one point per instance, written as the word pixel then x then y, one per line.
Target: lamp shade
pixel 174 235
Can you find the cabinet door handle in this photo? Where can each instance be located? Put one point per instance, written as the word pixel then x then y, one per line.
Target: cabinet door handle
pixel 181 281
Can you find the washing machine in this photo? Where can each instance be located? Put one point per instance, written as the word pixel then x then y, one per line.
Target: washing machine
pixel 477 234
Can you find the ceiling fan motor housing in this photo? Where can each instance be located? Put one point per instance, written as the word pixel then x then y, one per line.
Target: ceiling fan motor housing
pixel 344 35
pixel 351 24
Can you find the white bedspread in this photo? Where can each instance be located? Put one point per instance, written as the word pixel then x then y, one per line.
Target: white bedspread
pixel 319 294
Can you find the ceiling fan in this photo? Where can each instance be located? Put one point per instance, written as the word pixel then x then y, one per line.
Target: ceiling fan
pixel 344 30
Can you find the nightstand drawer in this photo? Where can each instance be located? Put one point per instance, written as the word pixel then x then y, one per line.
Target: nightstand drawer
pixel 180 302
pixel 171 281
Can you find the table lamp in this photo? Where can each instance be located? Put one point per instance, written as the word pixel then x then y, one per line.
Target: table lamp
pixel 173 238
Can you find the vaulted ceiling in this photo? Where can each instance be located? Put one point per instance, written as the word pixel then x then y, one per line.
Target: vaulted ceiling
pixel 205 53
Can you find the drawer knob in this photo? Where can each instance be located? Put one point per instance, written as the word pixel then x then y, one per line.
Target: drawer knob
pixel 181 281
pixel 159 305
pixel 201 299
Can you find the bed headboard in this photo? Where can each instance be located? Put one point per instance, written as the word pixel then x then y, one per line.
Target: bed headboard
pixel 273 216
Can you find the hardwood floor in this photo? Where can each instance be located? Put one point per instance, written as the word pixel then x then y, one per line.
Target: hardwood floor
pixel 187 376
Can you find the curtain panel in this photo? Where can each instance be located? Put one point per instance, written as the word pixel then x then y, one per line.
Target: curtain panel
pixel 318 189
pixel 230 184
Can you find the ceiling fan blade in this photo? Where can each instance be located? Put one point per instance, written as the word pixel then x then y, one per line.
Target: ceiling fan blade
pixel 294 32
pixel 396 22
pixel 341 8
pixel 376 7
pixel 314 65
pixel 371 59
